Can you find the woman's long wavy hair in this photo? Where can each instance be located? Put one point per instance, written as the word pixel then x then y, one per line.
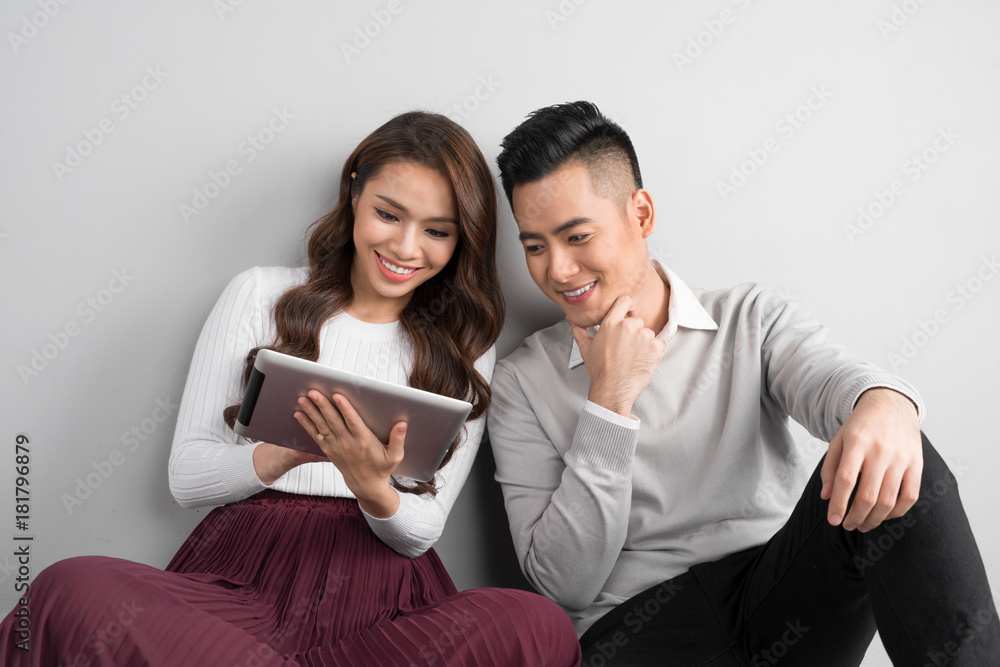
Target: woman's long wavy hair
pixel 453 318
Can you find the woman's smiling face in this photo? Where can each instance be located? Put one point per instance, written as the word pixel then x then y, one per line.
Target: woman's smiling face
pixel 405 232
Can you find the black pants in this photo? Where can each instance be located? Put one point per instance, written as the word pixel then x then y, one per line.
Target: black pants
pixel 814 594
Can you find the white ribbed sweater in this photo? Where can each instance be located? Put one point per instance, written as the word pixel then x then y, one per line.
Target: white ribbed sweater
pixel 211 465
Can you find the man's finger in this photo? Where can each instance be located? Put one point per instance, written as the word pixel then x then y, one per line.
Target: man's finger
pixel 909 492
pixel 869 486
pixel 886 501
pixel 830 465
pixel 582 337
pixel 619 309
pixel 844 480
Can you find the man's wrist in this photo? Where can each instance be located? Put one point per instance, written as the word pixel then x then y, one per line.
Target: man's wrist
pixel 888 394
pixel 612 403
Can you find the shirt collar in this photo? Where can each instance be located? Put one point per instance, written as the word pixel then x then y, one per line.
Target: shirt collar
pixel 683 310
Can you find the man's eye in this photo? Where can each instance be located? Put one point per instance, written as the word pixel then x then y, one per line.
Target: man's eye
pixel 385 215
pixel 578 237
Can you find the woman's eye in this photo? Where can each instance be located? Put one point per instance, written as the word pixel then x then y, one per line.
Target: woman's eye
pixel 438 234
pixel 385 215
pixel 532 248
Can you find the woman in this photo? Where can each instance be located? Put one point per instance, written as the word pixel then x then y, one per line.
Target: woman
pixel 326 561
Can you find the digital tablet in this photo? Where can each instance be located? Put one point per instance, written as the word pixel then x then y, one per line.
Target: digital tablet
pixel 278 380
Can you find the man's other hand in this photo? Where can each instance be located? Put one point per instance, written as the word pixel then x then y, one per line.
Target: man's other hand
pixel 878 449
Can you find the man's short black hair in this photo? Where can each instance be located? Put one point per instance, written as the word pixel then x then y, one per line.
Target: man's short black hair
pixel 575 131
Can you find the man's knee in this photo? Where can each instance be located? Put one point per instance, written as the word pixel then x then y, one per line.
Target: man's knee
pixel 938 482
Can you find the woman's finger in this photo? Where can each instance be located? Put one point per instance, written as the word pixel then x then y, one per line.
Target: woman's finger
pixel 352 420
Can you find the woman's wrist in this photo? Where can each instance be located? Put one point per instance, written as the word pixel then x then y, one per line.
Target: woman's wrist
pixel 381 502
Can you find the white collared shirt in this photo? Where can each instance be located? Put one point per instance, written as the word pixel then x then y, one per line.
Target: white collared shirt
pixel 683 310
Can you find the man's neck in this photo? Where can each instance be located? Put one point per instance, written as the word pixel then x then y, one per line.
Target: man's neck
pixel 651 299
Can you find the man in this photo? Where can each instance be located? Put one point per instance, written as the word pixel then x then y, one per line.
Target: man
pixel 652 486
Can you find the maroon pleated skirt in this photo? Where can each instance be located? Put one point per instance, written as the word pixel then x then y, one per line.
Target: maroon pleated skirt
pixel 280 579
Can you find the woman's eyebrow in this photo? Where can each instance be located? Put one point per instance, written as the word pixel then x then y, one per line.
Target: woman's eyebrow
pixel 396 204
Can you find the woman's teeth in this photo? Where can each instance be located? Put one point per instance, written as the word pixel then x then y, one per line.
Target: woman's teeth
pixel 581 290
pixel 393 267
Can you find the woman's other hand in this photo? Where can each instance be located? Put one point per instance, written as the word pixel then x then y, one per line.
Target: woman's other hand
pixel 271 461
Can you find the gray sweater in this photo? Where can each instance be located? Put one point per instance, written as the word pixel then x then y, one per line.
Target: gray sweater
pixel 602 507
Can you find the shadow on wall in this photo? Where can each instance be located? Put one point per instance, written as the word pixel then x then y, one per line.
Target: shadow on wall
pixel 485 533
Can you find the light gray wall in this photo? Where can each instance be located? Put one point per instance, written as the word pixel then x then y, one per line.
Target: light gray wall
pixel 894 75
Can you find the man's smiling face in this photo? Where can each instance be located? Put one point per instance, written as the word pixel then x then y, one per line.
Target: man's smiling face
pixel 582 250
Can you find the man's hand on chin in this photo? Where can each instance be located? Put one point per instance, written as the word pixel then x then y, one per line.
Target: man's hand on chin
pixel 878 449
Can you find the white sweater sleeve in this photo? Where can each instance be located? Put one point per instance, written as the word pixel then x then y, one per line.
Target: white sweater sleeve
pixel 209 463
pixel 420 519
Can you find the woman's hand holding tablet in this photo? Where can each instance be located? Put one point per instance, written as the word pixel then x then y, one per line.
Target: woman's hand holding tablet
pixel 272 399
pixel 365 461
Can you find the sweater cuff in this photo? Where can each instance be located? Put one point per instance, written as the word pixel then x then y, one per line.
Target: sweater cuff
pixel 391 529
pixel 236 471
pixel 605 439
pixel 860 386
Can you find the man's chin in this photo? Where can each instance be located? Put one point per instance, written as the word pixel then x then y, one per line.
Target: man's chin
pixel 582 318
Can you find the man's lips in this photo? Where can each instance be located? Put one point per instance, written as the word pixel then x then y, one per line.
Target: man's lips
pixel 578 294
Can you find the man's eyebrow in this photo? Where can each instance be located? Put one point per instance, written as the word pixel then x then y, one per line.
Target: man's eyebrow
pixel 396 204
pixel 523 236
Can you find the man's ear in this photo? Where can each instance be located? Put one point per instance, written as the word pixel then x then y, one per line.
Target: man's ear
pixel 640 207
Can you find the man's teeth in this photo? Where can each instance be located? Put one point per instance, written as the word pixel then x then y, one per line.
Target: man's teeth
pixel 581 290
pixel 393 267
